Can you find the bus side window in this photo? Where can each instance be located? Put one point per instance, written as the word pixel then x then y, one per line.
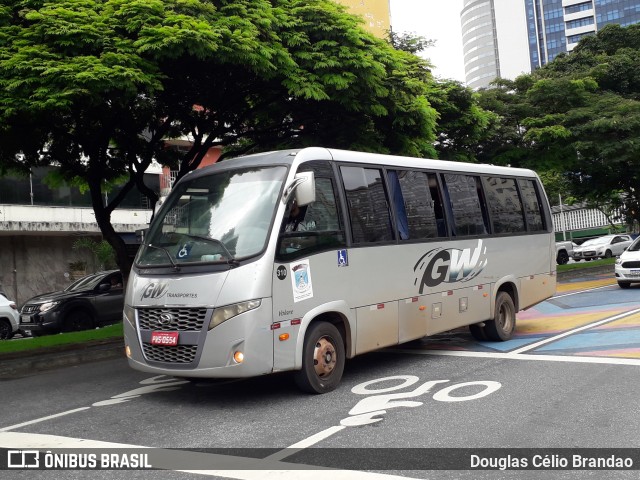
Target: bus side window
pixel 438 207
pixel 312 228
pixel 321 215
pixel 417 204
pixel 532 206
pixel 504 204
pixel 469 218
pixel 368 205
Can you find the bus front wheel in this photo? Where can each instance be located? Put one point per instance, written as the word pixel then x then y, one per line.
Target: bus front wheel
pixel 502 326
pixel 322 359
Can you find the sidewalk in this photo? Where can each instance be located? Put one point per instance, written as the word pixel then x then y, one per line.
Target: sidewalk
pixel 22 364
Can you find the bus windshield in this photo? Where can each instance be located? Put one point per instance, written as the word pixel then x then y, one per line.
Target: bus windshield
pixel 222 217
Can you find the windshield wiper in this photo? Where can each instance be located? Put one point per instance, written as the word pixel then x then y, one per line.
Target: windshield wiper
pixel 175 265
pixel 232 260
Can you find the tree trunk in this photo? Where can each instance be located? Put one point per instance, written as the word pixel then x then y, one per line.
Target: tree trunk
pixel 103 218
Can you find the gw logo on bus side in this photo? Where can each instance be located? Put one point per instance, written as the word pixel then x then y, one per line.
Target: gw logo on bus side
pixel 154 290
pixel 450 265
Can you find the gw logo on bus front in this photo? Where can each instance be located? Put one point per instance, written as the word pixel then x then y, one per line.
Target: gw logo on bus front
pixel 450 265
pixel 154 290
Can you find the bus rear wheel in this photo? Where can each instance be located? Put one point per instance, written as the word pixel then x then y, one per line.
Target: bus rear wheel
pixel 323 359
pixel 503 325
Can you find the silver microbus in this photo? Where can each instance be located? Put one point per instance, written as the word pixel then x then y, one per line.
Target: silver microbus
pixel 297 260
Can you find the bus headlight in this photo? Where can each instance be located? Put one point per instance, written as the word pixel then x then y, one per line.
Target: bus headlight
pixel 130 314
pixel 222 314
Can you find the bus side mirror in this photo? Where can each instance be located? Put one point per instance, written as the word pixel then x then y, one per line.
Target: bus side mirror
pixel 306 189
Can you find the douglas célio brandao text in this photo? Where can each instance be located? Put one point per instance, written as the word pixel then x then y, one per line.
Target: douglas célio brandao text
pixel 551 462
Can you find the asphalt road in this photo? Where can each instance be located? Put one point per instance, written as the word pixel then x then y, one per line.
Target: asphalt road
pixel 567 381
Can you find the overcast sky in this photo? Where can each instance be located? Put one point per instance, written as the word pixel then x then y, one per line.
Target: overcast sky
pixel 437 20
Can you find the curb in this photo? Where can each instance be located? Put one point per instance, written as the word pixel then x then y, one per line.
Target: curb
pixel 585 273
pixel 22 364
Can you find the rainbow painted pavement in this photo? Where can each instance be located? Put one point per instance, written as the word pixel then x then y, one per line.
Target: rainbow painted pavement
pixel 587 318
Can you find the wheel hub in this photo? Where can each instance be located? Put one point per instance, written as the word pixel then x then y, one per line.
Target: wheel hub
pixel 324 357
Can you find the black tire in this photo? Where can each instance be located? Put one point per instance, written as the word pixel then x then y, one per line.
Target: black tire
pixel 477 332
pixel 6 332
pixel 503 325
pixel 624 284
pixel 323 359
pixel 562 257
pixel 77 320
pixel 608 254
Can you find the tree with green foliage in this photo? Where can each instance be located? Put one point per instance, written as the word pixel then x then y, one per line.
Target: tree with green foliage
pixel 578 118
pixel 461 123
pixel 98 86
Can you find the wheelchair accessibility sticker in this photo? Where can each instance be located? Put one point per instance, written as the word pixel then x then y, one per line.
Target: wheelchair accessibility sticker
pixel 343 258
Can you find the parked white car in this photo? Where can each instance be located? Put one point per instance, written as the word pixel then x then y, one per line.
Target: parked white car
pixel 628 265
pixel 602 247
pixel 9 318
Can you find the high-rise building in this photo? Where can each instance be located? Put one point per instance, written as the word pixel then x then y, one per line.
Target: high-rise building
pixel 376 14
pixel 556 26
pixel 494 40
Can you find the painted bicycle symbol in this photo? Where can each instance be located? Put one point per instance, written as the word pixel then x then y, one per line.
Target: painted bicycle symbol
pixel 370 409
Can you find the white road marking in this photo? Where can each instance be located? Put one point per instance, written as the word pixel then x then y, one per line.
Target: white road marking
pixel 237 467
pixel 587 290
pixel 43 419
pixel 522 356
pixel 306 443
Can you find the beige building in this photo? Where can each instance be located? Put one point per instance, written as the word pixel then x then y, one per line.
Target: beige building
pixel 376 14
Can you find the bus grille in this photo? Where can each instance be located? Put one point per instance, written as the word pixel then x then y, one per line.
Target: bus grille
pixel 175 354
pixel 182 319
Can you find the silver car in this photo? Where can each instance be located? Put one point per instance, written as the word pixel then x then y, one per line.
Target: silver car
pixel 602 247
pixel 9 318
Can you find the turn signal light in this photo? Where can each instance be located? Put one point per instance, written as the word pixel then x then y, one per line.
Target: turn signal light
pixel 127 351
pixel 238 357
pixel 283 337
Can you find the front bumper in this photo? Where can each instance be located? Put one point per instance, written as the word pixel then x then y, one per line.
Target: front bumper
pixel 629 275
pixel 586 255
pixel 212 350
pixel 47 322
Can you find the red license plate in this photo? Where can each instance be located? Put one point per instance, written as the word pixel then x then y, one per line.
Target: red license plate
pixel 164 338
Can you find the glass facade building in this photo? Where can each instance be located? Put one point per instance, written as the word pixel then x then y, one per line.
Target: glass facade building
pixel 555 26
pixel 493 40
pixel 479 42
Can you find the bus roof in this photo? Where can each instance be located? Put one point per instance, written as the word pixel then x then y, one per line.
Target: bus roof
pixel 297 156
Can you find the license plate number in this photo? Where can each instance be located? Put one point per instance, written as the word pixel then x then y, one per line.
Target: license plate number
pixel 164 338
pixel 634 273
pixel 25 319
